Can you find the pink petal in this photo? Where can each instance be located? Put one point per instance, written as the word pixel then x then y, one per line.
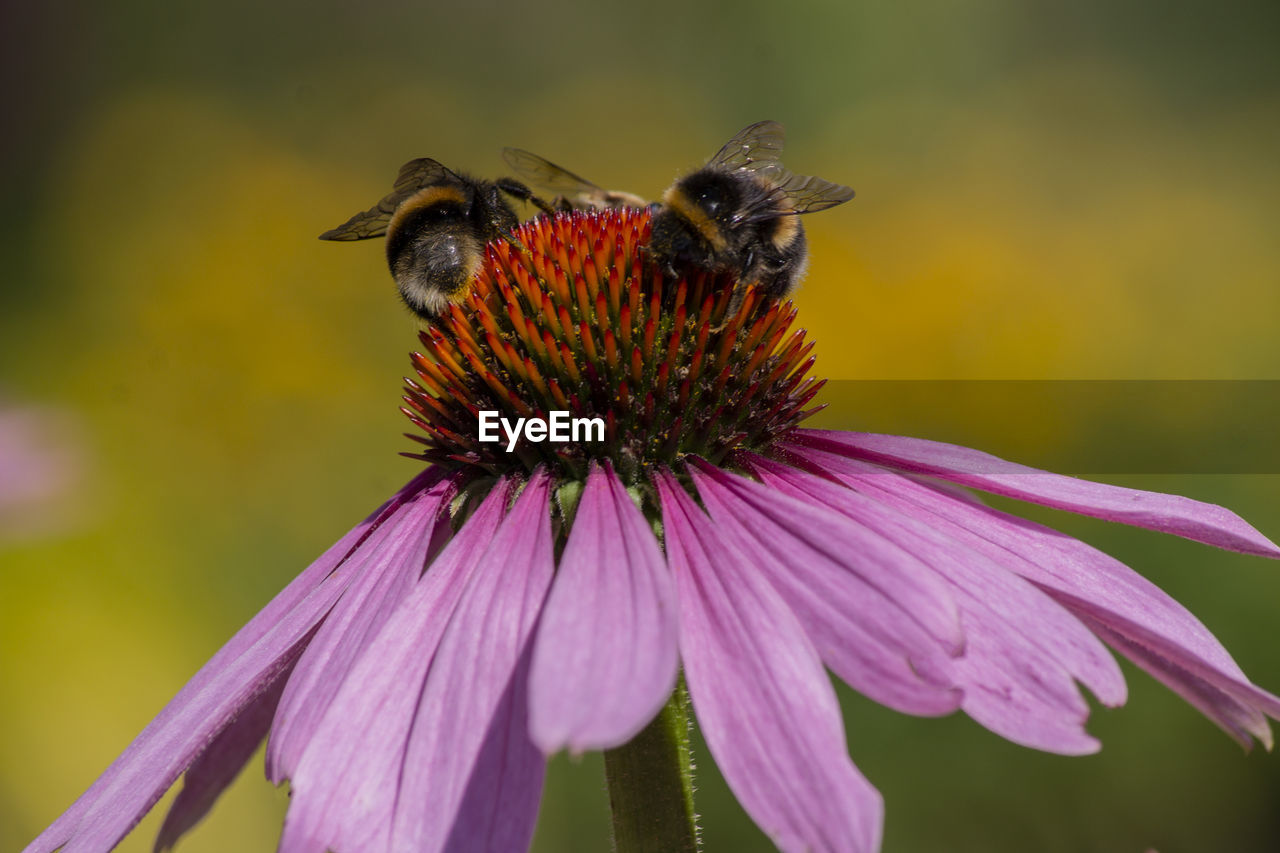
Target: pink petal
pixel 1236 718
pixel 477 663
pixel 1024 651
pixel 605 658
pixel 761 696
pixel 244 668
pixel 219 764
pixel 858 595
pixel 1213 525
pixel 1143 622
pixel 351 626
pixel 500 806
pixel 346 783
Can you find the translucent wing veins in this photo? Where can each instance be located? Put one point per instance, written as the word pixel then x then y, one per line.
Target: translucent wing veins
pixel 413 176
pixel 755 146
pixel 544 173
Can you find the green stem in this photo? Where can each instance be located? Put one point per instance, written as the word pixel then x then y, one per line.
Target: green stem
pixel 651 785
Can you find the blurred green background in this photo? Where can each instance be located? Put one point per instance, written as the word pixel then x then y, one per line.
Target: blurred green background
pixel 1083 190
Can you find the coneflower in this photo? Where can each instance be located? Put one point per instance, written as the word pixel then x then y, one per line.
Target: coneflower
pixel 509 603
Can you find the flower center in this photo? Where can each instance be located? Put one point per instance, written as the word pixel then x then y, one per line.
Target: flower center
pixel 578 320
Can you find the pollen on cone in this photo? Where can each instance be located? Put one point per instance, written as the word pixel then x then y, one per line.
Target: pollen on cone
pixel 575 318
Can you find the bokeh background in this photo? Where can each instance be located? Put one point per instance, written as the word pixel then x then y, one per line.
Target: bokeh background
pixel 202 396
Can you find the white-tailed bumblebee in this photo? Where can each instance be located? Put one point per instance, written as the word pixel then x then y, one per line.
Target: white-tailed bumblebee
pixel 573 190
pixel 740 214
pixel 437 223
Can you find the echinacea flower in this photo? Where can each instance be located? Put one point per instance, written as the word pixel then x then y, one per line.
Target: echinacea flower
pixel 505 605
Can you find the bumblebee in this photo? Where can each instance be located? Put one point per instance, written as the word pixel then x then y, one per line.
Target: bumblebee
pixel 437 223
pixel 740 214
pixel 574 190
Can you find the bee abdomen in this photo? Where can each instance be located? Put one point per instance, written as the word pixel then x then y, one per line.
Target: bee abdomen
pixel 779 264
pixel 434 267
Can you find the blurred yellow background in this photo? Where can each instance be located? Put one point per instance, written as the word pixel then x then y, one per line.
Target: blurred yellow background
pixel 1045 192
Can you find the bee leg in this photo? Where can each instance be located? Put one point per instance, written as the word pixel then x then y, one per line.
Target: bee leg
pixel 515 189
pixel 515 242
pixel 735 303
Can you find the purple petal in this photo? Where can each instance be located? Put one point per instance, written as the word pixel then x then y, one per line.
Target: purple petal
pixel 350 627
pixel 229 682
pixel 499 808
pixel 1213 525
pixel 345 786
pixel 219 764
pixel 859 596
pixel 476 664
pixel 1237 719
pixel 605 658
pixel 1024 651
pixel 761 696
pixel 1143 622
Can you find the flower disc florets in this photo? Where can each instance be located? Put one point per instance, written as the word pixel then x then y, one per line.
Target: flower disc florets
pixel 576 318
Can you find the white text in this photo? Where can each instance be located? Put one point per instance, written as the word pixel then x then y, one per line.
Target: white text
pixel 557 426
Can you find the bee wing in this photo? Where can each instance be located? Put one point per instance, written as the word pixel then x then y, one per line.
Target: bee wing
pixel 373 222
pixel 546 174
pixel 807 194
pixel 369 223
pixel 416 174
pixel 790 195
pixel 755 146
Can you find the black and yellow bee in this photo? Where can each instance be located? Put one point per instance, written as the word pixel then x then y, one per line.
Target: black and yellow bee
pixel 573 190
pixel 437 223
pixel 740 214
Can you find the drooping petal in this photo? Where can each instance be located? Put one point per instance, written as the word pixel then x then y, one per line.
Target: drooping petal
pixel 364 607
pixel 605 657
pixel 476 665
pixel 1024 651
pixel 763 701
pixel 243 669
pixel 500 805
pixel 1202 522
pixel 1143 622
pixel 217 767
pixel 858 595
pixel 1241 721
pixel 345 786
